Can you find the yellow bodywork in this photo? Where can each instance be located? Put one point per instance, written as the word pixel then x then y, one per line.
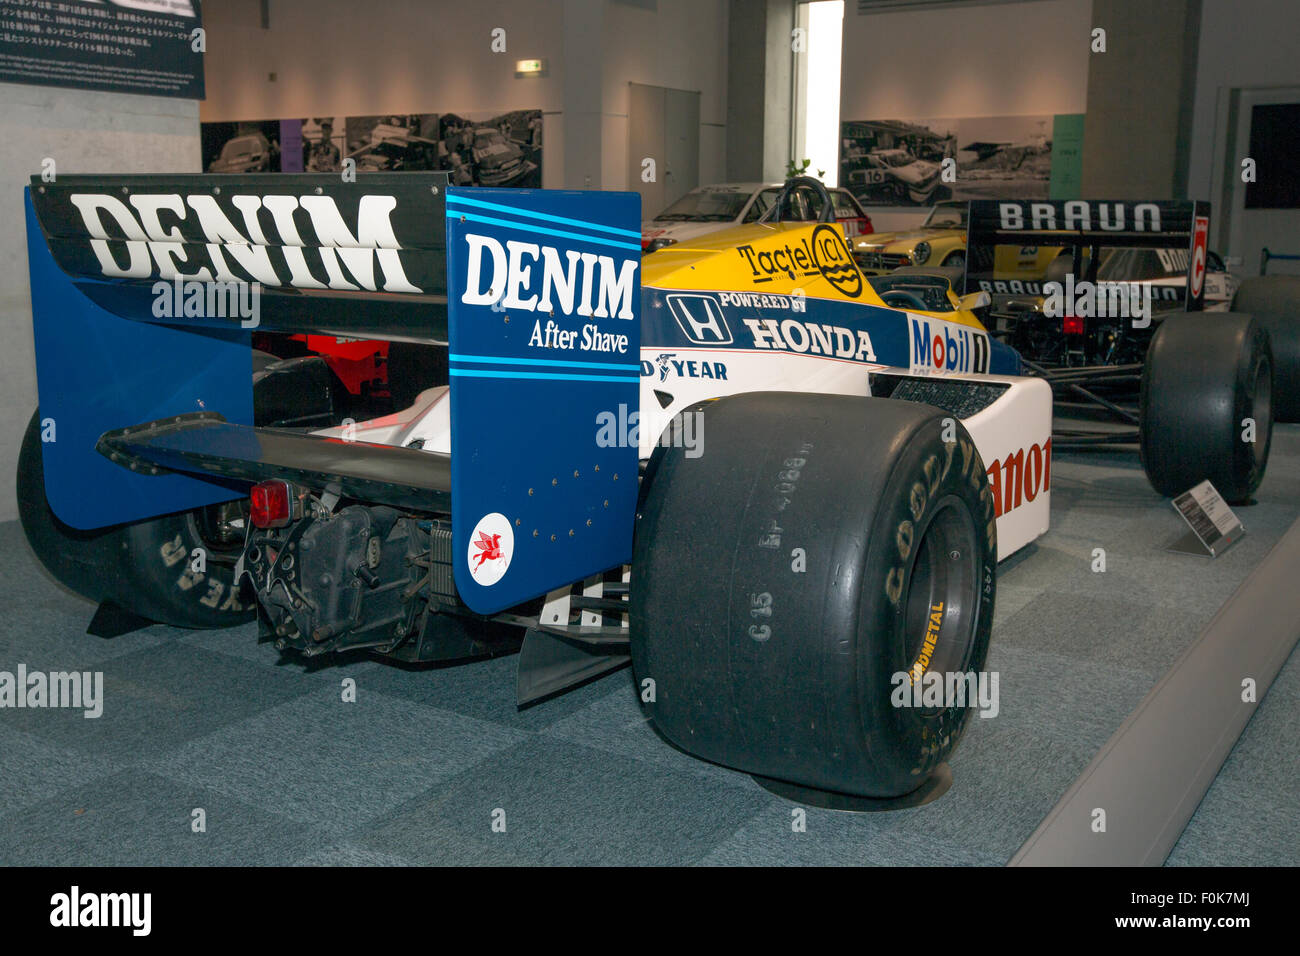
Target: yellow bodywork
pixel 943 243
pixel 1009 262
pixel 794 258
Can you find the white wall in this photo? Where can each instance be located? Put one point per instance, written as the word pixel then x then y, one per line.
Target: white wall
pixel 680 44
pixel 986 60
pixel 83 132
pixel 1244 44
pixel 340 57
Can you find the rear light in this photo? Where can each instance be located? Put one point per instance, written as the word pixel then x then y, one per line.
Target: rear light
pixel 1072 325
pixel 271 504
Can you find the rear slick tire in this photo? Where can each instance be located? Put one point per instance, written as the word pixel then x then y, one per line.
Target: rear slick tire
pixel 788 581
pixel 149 568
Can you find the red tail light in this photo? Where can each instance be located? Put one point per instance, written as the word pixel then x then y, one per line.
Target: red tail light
pixel 271 504
pixel 1072 325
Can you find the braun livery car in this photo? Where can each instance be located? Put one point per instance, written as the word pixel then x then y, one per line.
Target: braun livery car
pixel 772 485
pixel 1105 288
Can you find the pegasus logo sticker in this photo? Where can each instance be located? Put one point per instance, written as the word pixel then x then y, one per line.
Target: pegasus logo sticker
pixel 491 546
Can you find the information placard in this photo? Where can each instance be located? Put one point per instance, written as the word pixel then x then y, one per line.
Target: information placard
pixel 126 46
pixel 1213 526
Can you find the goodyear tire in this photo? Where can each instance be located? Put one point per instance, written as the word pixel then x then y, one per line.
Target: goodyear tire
pixel 75 558
pixel 147 567
pixel 179 568
pixel 787 581
pixel 1206 376
pixel 1274 301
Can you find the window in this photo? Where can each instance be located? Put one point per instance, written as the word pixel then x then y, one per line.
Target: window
pixel 817 87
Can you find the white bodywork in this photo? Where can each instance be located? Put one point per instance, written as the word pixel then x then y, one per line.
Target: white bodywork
pixel 1012 434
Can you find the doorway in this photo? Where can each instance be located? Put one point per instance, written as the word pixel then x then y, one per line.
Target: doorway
pixel 664 127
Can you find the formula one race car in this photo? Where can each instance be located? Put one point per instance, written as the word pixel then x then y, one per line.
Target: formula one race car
pixel 778 489
pixel 1125 270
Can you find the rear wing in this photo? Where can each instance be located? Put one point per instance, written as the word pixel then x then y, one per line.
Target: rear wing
pixel 1082 229
pixel 146 289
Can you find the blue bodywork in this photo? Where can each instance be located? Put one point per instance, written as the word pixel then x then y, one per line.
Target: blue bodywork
pixel 526 417
pixel 97 371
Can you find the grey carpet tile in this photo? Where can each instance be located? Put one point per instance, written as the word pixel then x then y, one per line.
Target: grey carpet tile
pixel 1124 634
pixel 32 769
pixel 1063 698
pixel 141 819
pixel 158 698
pixel 43 623
pixel 484 690
pixel 569 805
pixel 1005 780
pixel 1234 827
pixel 831 838
pixel 616 724
pixel 348 854
pixel 1287 683
pixel 336 765
pixel 1010 599
pixel 1140 570
pixel 989 811
pixel 241 642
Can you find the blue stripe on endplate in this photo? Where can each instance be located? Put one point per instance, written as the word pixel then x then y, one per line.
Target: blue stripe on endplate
pixel 558 376
pixel 530 214
pixel 495 360
pixel 551 232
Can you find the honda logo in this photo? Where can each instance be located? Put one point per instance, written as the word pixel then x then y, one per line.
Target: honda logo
pixel 700 318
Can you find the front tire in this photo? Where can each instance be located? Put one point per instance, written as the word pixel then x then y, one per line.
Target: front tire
pixel 1207 377
pixel 787 582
